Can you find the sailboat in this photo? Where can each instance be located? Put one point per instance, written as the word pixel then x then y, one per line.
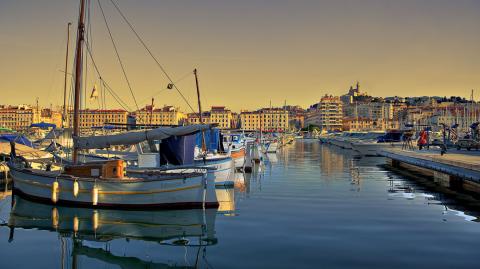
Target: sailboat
pixel 105 184
pixel 213 155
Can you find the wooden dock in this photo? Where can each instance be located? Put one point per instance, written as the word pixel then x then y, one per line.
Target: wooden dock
pixel 454 169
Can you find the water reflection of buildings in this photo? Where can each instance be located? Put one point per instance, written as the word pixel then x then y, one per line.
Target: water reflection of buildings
pixel 332 160
pixel 178 230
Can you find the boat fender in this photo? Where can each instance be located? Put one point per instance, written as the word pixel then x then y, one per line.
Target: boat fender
pixel 55 192
pixel 75 188
pixel 75 224
pixel 95 220
pixel 95 195
pixel 55 217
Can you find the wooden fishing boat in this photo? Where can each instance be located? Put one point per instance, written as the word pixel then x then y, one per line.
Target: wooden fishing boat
pixel 106 184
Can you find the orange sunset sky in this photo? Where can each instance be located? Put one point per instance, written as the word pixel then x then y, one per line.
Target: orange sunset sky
pixel 247 52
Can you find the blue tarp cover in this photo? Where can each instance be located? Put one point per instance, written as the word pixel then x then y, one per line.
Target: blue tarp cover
pixel 105 127
pixel 44 125
pixel 212 139
pixel 390 137
pixel 177 150
pixel 20 139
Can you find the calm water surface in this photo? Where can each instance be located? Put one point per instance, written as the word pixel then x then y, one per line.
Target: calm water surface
pixel 309 206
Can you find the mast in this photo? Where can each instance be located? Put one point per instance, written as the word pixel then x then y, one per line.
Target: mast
pixel 78 77
pixel 284 114
pixel 151 112
pixel 199 108
pixel 65 115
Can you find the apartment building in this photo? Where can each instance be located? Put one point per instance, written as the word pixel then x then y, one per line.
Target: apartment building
pixel 194 118
pixel 17 117
pixel 222 116
pixel 265 119
pixel 327 114
pixel 167 115
pixel 98 117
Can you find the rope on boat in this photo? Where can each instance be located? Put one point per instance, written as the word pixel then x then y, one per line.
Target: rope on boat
pixel 151 54
pixel 118 55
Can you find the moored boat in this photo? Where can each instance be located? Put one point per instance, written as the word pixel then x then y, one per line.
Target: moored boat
pixel 234 142
pixel 370 147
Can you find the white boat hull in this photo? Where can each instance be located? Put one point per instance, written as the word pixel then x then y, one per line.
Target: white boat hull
pixel 223 173
pixel 371 149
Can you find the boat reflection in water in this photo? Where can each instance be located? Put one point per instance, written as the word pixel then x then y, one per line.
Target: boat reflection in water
pixel 240 181
pixel 226 200
pixel 178 229
pixel 272 157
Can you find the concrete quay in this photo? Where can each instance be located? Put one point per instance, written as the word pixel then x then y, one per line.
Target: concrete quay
pixel 455 169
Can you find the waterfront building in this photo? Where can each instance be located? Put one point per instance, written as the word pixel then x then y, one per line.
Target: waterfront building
pixel 18 118
pixel 49 115
pixel 327 114
pixel 250 120
pixel 463 114
pixel 167 115
pixel 222 116
pixel 296 116
pixel 368 124
pixel 355 124
pixel 373 110
pixel 398 110
pixel 265 119
pixel 235 120
pixel 194 118
pixel 99 117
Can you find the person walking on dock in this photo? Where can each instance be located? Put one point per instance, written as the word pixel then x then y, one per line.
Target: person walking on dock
pixel 422 139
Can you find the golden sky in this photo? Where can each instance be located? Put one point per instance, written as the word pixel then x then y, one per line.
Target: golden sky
pixel 248 52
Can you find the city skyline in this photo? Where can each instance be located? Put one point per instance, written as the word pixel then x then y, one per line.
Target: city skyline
pixel 272 50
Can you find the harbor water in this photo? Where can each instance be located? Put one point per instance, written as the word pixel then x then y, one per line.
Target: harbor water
pixel 308 206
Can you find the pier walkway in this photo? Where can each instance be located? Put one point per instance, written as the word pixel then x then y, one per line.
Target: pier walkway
pixel 458 165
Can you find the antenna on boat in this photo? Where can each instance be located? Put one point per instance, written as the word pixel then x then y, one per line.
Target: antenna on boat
pixel 78 78
pixel 65 116
pixel 199 108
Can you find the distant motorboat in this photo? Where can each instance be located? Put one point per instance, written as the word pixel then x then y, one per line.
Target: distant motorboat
pixel 370 147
